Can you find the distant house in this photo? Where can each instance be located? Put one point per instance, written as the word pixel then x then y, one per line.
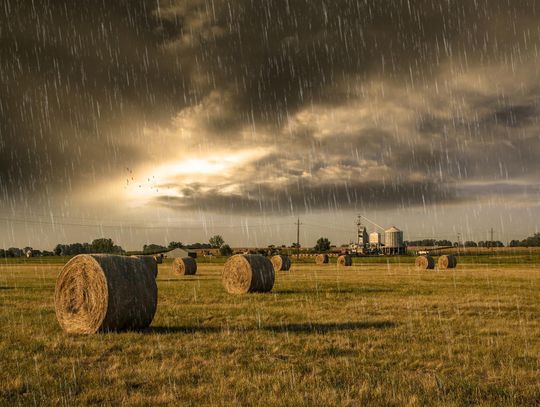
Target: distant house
pixel 178 253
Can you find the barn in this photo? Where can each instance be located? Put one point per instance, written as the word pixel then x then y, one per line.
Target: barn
pixel 179 253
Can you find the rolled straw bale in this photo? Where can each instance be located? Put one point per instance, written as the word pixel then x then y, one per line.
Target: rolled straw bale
pixel 248 273
pixel 321 259
pixel 447 261
pixel 425 262
pixel 150 262
pixel 344 260
pixel 185 266
pixel 281 262
pixel 100 293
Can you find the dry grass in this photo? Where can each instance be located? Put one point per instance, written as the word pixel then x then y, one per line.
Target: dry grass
pixel 370 334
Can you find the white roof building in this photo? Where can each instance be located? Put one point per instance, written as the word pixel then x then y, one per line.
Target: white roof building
pixel 176 253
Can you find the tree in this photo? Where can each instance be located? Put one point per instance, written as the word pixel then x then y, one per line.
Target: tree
pixel 153 248
pixel 216 241
pixel 175 245
pixel 199 246
pixel 323 245
pixel 225 250
pixel 102 245
pixel 470 243
pixel 531 241
pixel 14 252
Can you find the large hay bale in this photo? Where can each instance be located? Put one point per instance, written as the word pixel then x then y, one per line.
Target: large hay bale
pixel 344 260
pixel 150 262
pixel 425 262
pixel 248 273
pixel 100 293
pixel 321 259
pixel 447 261
pixel 281 262
pixel 185 266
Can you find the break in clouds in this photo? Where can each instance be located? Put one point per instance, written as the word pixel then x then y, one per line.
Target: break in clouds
pixel 282 106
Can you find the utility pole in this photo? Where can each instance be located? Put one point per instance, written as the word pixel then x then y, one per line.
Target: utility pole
pixel 298 239
pixel 491 231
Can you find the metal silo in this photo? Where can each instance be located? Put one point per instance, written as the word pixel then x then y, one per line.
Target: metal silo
pixel 374 239
pixel 393 241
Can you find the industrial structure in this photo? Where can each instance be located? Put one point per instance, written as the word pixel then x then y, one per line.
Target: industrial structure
pixel 393 241
pixel 372 243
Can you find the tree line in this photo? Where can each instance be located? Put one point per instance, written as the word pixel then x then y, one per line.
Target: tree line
pixel 107 246
pixel 468 243
pixel 531 241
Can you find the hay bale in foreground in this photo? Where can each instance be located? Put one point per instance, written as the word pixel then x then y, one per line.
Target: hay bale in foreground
pixel 321 259
pixel 281 262
pixel 344 260
pixel 248 273
pixel 185 266
pixel 100 293
pixel 425 262
pixel 447 261
pixel 150 262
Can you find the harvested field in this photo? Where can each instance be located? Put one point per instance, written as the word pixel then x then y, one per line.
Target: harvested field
pixel 371 334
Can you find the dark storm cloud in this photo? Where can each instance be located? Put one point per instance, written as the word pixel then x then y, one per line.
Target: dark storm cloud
pixel 80 80
pixel 77 80
pixel 277 56
pixel 305 197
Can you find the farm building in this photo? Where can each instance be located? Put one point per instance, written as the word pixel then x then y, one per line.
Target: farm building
pixel 179 253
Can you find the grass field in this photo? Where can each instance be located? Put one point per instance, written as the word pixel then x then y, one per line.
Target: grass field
pixel 371 334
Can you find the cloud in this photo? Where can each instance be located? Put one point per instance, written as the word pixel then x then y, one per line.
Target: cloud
pixel 307 197
pixel 355 103
pixel 78 83
pixel 387 148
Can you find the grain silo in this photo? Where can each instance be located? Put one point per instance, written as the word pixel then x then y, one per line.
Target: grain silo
pixel 393 241
pixel 374 239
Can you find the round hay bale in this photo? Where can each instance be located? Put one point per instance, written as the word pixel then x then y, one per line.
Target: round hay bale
pixel 185 266
pixel 100 293
pixel 321 259
pixel 281 262
pixel 447 261
pixel 425 262
pixel 248 273
pixel 150 262
pixel 344 260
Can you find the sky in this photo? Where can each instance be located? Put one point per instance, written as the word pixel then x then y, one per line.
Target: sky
pixel 153 121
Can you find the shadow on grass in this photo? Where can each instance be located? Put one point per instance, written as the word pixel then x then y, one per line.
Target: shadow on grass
pixel 302 328
pixel 333 290
pixel 3 287
pixel 329 327
pixel 183 329
pixel 179 279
